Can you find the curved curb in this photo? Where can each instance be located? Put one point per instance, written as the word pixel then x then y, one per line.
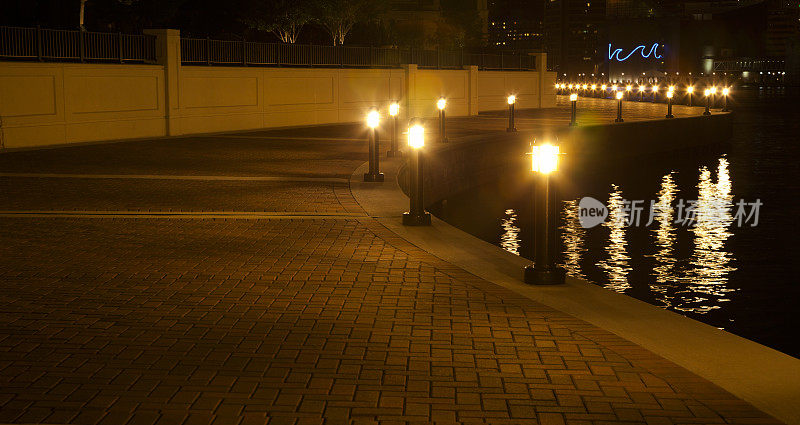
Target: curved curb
pixel 766 378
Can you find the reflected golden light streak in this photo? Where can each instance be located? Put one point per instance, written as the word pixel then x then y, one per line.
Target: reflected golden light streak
pixel 509 240
pixel 573 237
pixel 707 280
pixel 666 279
pixel 616 266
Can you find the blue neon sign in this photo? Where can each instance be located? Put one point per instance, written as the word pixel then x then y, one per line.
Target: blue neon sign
pixel 653 52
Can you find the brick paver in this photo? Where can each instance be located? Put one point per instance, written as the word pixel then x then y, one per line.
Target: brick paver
pixel 287 321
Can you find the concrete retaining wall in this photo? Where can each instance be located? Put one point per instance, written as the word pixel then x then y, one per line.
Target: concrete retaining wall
pixel 56 103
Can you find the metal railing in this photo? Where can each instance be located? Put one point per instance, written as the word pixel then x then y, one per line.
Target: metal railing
pixel 205 51
pixel 72 45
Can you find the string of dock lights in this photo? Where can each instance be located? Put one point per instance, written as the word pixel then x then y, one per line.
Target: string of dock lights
pixel 671 94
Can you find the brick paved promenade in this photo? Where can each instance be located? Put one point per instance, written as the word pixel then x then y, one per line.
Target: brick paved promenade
pixel 291 306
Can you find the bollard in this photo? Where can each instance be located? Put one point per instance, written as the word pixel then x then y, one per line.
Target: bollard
pixel 511 101
pixel 374 174
pixel 416 215
pixel 441 104
pixel 394 150
pixel 619 107
pixel 544 271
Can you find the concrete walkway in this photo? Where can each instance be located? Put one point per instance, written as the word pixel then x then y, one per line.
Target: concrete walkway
pixel 198 298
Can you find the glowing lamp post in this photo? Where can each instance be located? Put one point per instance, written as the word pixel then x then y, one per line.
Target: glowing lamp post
pixel 544 271
pixel 594 90
pixel 441 104
pixel 416 215
pixel 573 99
pixel 603 88
pixel 689 91
pixel 374 174
pixel 713 92
pixel 670 93
pixel 628 89
pixel 641 92
pixel 511 101
pixel 619 107
pixel 725 92
pixel 707 94
pixel 394 111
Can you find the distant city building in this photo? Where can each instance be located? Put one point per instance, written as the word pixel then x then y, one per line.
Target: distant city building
pixel 575 35
pixel 516 25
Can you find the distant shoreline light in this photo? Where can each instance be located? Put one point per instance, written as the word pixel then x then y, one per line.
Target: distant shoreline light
pixel 653 52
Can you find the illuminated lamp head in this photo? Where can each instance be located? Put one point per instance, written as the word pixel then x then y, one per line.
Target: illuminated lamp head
pixel 603 86
pixel 628 87
pixel 585 86
pixel 416 136
pixel 594 86
pixel 690 89
pixel 669 94
pixel 544 158
pixel 614 87
pixel 511 99
pixel 619 95
pixel 394 109
pixel 373 118
pixel 713 90
pixel 573 97
pixel 441 103
pixel 726 91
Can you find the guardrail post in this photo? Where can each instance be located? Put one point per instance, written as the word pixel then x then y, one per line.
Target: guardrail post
pixel 82 53
pixel 208 51
pixel 39 43
pixel 119 41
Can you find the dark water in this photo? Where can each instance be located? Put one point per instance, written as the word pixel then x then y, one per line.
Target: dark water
pixel 740 278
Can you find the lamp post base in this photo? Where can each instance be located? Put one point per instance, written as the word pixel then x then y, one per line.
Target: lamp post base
pixel 706 113
pixel 423 219
pixel 619 120
pixel 670 116
pixel 511 129
pixel 392 154
pixel 373 177
pixel 544 275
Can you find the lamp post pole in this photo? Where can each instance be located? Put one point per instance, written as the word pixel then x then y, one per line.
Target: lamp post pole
pixel 707 92
pixel 394 110
pixel 689 91
pixel 725 92
pixel 669 104
pixel 544 270
pixel 442 104
pixel 374 174
pixel 619 107
pixel 512 100
pixel 573 99
pixel 416 215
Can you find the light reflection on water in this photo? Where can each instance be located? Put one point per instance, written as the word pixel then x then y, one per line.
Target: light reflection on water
pixel 573 236
pixel 616 265
pixel 510 238
pixel 697 284
pixel 706 281
pixel 664 272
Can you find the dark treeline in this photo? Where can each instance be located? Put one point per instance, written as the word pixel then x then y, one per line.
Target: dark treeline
pixel 359 22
